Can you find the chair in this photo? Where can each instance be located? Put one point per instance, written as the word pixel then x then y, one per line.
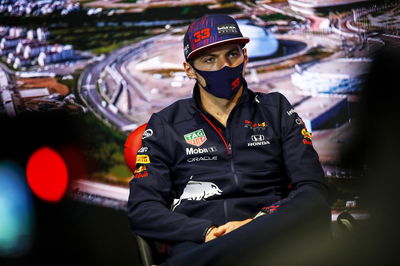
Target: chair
pixel 132 145
pixel 346 221
pixel 151 252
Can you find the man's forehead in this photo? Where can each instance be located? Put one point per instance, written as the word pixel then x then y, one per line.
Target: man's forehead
pixel 219 49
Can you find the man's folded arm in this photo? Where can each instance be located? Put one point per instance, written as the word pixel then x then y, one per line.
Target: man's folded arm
pixel 153 219
pixel 150 193
pixel 301 161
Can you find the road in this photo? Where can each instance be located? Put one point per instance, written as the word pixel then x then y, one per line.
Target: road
pixel 6 94
pixel 99 105
pixel 104 106
pixel 99 194
pixel 101 189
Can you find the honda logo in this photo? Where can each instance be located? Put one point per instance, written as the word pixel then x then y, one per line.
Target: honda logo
pixel 257 137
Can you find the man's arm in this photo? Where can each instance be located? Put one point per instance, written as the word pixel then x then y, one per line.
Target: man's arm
pixel 150 192
pixel 307 181
pixel 309 188
pixel 301 160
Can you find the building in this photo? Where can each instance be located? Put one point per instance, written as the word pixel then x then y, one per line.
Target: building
pixel 322 112
pixel 33 93
pixel 16 32
pixel 262 44
pixel 58 53
pixel 8 103
pixel 311 7
pixel 10 58
pixel 42 34
pixel 9 42
pixel 3 31
pixel 37 8
pixel 21 62
pixel 338 76
pixel 29 47
pixel 35 48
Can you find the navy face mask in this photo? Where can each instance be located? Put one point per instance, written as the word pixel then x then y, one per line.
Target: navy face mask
pixel 223 83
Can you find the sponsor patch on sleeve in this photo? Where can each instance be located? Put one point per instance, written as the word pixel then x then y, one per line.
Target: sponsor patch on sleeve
pixel 147 133
pixel 141 175
pixel 299 121
pixel 307 136
pixel 143 149
pixel 142 158
pixel 141 169
pixel 141 172
pixel 270 209
pixel 290 112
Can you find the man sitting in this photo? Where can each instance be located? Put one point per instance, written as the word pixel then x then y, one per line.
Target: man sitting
pixel 228 170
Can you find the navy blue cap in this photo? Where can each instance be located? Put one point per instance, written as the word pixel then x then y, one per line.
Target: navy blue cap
pixel 211 30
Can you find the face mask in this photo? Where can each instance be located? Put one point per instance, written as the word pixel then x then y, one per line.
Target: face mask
pixel 223 83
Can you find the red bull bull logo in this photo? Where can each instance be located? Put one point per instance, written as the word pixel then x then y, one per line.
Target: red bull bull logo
pixel 141 175
pixel 140 169
pixel 255 126
pixel 197 190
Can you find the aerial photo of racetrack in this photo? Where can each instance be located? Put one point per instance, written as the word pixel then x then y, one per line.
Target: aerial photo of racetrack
pixel 317 59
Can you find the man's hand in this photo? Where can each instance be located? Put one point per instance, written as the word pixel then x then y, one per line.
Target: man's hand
pixel 211 234
pixel 225 229
pixel 230 226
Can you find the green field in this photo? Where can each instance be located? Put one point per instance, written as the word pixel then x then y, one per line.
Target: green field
pixel 97 40
pixel 104 148
pixel 276 16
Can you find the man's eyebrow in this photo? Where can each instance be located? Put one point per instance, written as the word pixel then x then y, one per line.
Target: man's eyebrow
pixel 208 54
pixel 236 49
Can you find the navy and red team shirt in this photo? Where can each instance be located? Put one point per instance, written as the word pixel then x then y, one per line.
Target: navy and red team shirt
pixel 192 172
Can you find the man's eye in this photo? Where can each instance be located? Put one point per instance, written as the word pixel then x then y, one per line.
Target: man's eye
pixel 233 54
pixel 209 60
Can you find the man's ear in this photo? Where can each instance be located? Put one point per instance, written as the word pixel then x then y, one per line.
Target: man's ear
pixel 189 70
pixel 246 58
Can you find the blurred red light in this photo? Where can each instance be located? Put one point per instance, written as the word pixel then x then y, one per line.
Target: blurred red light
pixel 47 174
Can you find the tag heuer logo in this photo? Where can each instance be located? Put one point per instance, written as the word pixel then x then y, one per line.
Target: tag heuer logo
pixel 196 138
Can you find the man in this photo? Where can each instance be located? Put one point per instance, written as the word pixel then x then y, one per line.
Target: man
pixel 219 161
